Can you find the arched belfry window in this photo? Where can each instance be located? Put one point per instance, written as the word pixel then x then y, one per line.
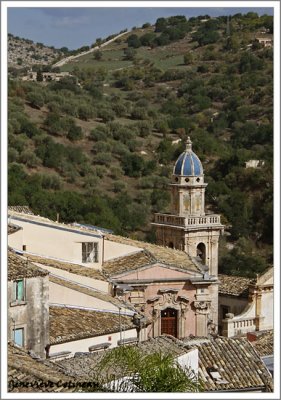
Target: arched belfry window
pixel 201 252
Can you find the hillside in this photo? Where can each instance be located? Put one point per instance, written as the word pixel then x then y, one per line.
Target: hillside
pixel 24 53
pixel 99 146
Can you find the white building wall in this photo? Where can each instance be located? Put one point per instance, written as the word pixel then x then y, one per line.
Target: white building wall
pixel 114 250
pixel 59 294
pixel 84 344
pixel 189 360
pixel 15 239
pixel 49 240
pixel 267 311
pixel 84 280
pixel 62 242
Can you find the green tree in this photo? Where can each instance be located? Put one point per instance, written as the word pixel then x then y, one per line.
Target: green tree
pixel 39 76
pixel 156 372
pixel 98 55
pixel 130 54
pixel 134 41
pixel 147 39
pixel 35 99
pixel 75 133
pixel 188 58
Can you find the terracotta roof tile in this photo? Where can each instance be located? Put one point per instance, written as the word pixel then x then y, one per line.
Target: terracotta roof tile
pixel 234 285
pixel 128 263
pixel 69 267
pixel 238 364
pixel 67 324
pixel 87 365
pixel 21 209
pixel 19 267
pixel 29 216
pixel 236 361
pixel 166 255
pixel 26 374
pixel 264 343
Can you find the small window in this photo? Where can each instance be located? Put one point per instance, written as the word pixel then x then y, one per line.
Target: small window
pixel 24 247
pixel 19 337
pixel 89 252
pixel 19 290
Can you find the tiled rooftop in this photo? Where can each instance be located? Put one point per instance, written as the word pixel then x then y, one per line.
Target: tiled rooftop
pixel 68 324
pixel 19 267
pixel 69 267
pixel 234 285
pixel 128 263
pixel 237 363
pixel 166 255
pixel 21 209
pixel 20 213
pixel 86 290
pixel 264 343
pixel 87 365
pixel 26 374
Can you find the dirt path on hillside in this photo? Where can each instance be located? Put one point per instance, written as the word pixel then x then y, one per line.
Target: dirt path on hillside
pixel 71 58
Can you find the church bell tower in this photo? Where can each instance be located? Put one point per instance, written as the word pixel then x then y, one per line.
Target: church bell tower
pixel 188 227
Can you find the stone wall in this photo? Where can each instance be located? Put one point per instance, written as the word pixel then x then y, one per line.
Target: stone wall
pixel 31 314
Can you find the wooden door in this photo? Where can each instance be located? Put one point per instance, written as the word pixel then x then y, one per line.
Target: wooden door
pixel 169 321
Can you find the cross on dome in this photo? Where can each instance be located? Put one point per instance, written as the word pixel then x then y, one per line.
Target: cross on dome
pixel 188 144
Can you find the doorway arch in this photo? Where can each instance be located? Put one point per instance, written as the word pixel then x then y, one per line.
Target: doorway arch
pixel 201 252
pixel 169 322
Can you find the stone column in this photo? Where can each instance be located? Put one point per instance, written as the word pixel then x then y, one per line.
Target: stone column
pixel 201 313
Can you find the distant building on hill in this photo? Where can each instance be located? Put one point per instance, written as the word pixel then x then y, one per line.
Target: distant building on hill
pixel 254 164
pixel 265 41
pixel 47 76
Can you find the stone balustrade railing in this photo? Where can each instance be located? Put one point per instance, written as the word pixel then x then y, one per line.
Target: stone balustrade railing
pixel 237 326
pixel 213 219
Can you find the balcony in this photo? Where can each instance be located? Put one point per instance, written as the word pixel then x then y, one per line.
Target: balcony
pixel 187 222
pixel 238 325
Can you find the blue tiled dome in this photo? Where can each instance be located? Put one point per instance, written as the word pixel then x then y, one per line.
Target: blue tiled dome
pixel 188 164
